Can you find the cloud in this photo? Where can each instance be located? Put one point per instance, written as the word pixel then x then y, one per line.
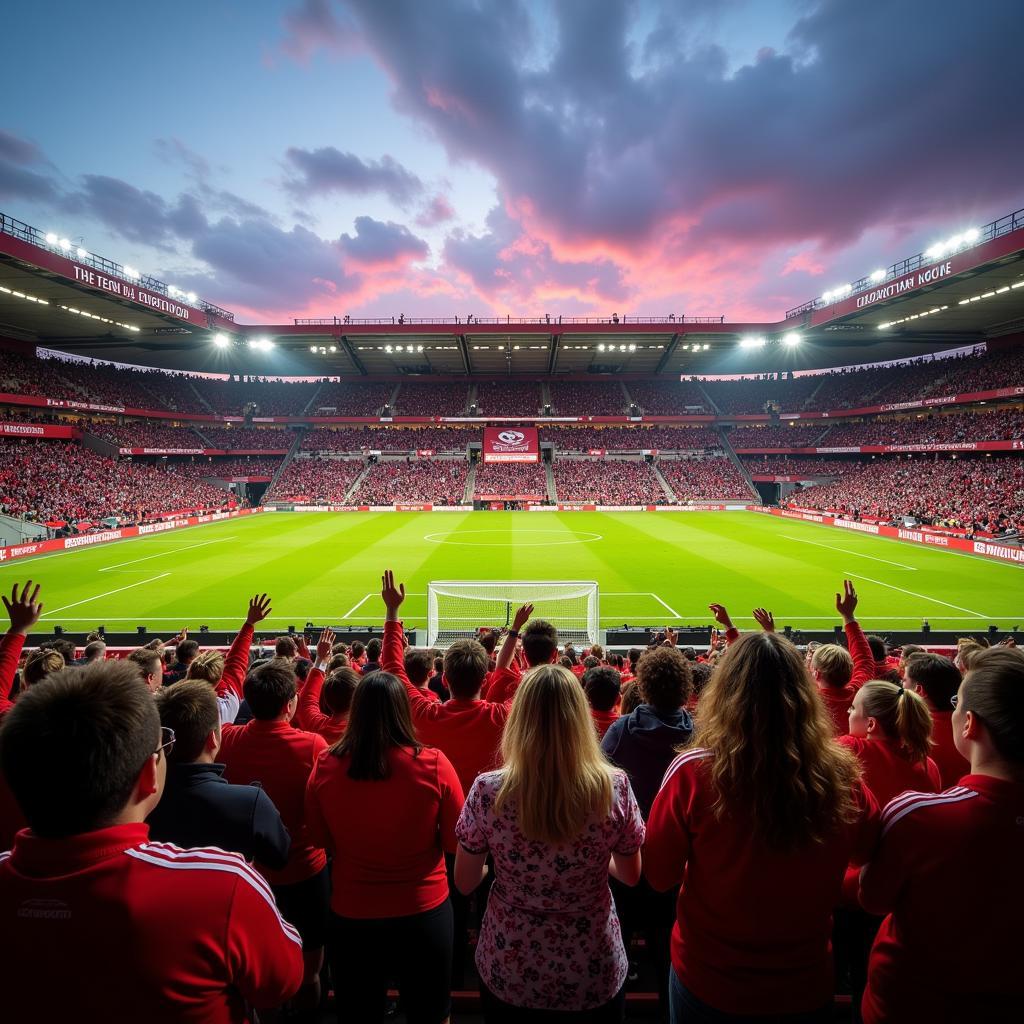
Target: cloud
pixel 326 170
pixel 315 25
pixel 378 243
pixel 437 211
pixel 17 180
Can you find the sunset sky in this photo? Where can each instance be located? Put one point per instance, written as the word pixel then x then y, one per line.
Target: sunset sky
pixel 433 157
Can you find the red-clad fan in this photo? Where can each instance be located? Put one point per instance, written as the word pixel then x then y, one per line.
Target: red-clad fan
pixel 270 751
pixel 385 807
pixel 947 871
pixel 936 679
pixel 539 642
pixel 603 688
pixel 24 610
pixel 137 928
pixel 758 822
pixel 337 691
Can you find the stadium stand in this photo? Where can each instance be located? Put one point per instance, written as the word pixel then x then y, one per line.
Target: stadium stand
pixel 638 438
pixel 576 398
pixel 662 398
pixel 793 435
pixel 346 399
pixel 240 438
pixel 508 398
pixel 224 467
pixel 799 465
pixel 711 479
pixel 256 395
pixel 142 434
pixel 941 428
pixel 56 481
pixel 437 481
pixel 618 482
pixel 316 479
pixel 510 478
pixel 442 399
pixel 388 439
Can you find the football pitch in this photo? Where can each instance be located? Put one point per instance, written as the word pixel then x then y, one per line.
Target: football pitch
pixel 652 569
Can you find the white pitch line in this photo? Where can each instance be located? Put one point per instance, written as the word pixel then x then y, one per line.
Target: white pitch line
pixel 847 551
pixel 924 597
pixel 671 610
pixel 360 604
pixel 86 600
pixel 161 554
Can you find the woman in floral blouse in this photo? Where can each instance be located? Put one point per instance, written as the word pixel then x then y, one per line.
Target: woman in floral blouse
pixel 557 819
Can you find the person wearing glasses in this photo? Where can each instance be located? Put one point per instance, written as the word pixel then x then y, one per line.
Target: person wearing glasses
pixel 947 870
pixel 101 923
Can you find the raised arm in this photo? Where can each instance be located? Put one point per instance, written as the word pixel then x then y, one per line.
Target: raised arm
pixel 856 641
pixel 508 646
pixel 732 634
pixel 308 714
pixel 237 661
pixel 23 610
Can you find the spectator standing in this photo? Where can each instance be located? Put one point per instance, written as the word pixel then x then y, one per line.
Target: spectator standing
pixel 936 680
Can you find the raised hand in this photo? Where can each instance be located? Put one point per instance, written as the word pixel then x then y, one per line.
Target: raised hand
pixel 846 602
pixel 765 619
pixel 721 615
pixel 670 637
pixel 259 609
pixel 23 609
pixel 522 616
pixel 391 595
pixel 325 644
pixel 301 647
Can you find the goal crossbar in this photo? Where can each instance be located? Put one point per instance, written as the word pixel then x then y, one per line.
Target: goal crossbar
pixel 458 608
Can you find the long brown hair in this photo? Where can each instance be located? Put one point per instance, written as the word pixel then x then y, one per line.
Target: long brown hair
pixel 379 720
pixel 554 768
pixel 902 715
pixel 994 691
pixel 776 765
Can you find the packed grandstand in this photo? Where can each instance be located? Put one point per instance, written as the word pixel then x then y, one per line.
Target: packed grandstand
pixel 444 819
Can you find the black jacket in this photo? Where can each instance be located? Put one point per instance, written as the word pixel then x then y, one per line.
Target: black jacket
pixel 201 808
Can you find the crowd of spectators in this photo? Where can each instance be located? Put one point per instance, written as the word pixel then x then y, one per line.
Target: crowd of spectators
pixel 586 398
pixel 341 398
pixel 966 375
pixel 225 467
pixel 667 398
pixel 794 434
pixel 508 398
pixel 756 394
pixel 434 481
pixel 801 466
pixel 607 481
pixel 256 395
pixel 313 479
pixel 443 398
pixel 701 480
pixel 638 438
pixel 231 438
pixel 971 493
pixel 510 478
pixel 389 439
pixel 936 428
pixel 56 480
pixel 145 434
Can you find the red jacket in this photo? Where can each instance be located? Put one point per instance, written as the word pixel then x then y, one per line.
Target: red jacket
pixel 468 731
pixel 280 758
pixel 10 651
pixel 140 930
pixel 603 720
pixel 387 837
pixel 837 699
pixel 753 923
pixel 887 773
pixel 308 714
pixel 951 763
pixel 947 873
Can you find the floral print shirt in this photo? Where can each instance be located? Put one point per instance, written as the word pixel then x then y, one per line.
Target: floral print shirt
pixel 550 937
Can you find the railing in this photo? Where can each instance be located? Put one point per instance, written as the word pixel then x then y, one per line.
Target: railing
pixel 547 321
pixel 995 229
pixel 27 233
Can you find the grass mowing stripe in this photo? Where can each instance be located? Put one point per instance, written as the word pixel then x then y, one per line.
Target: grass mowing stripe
pixel 109 593
pixel 847 551
pixel 980 615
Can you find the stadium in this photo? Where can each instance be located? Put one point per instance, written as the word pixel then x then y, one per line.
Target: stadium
pixel 541 663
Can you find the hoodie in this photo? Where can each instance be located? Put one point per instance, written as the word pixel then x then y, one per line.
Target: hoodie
pixel 643 744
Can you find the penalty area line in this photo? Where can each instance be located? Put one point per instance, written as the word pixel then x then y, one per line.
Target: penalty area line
pixel 847 551
pixel 669 608
pixel 162 554
pixel 96 597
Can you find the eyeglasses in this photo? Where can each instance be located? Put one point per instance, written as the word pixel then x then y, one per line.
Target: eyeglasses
pixel 167 742
pixel 954 700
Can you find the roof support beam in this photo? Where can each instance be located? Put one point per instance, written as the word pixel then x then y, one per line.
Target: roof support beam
pixel 669 349
pixel 356 361
pixel 554 342
pixel 464 349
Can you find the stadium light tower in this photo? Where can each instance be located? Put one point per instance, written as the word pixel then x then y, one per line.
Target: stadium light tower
pixel 752 341
pixel 221 340
pixel 791 340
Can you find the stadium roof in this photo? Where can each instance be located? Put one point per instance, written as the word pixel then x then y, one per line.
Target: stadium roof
pixel 966 290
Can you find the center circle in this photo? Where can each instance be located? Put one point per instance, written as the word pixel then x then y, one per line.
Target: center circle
pixel 514 541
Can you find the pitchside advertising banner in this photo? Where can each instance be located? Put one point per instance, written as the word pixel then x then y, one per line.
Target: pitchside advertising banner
pixel 511 444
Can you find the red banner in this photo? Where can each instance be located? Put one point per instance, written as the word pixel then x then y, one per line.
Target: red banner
pixel 892 449
pixel 597 451
pixel 44 431
pixel 425 453
pixel 511 444
pixel 509 497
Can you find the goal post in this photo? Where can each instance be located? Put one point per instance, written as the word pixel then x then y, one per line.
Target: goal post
pixel 457 608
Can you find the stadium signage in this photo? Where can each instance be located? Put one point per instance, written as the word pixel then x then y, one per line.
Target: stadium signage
pixel 511 444
pixel 164 451
pixel 905 284
pixel 130 292
pixel 37 430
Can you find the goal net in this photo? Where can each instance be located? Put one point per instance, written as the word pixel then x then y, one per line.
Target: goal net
pixel 457 608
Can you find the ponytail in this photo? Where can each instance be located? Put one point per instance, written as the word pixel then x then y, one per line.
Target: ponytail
pixel 902 715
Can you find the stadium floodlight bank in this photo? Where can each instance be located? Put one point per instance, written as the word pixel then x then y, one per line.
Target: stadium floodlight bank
pixel 457 608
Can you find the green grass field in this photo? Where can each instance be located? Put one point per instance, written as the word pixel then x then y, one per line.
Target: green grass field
pixel 653 568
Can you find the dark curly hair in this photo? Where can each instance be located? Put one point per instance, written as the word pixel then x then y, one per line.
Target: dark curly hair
pixel 665 678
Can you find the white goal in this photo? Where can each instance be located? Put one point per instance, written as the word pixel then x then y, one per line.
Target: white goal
pixel 457 608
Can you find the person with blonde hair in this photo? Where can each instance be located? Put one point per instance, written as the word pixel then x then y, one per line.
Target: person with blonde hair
pixel 557 819
pixel 758 820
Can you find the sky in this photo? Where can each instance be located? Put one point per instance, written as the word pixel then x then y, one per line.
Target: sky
pixel 489 157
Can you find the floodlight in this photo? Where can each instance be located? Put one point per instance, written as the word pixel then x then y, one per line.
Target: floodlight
pixel 221 340
pixel 752 341
pixel 600 348
pixel 191 296
pixel 935 251
pixel 387 348
pixel 632 348
pixel 971 235
pixel 622 348
pixel 64 243
pixel 312 348
pixel 706 346
pixel 172 291
pixel 334 348
pixel 791 339
pixel 877 275
pixel 82 253
pixel 51 238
